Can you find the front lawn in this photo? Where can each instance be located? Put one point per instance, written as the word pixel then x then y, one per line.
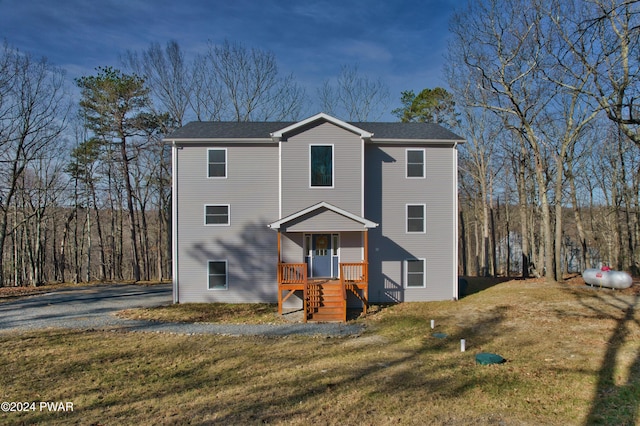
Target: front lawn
pixel 573 358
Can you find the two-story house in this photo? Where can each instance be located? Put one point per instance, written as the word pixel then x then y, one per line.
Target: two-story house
pixel 306 212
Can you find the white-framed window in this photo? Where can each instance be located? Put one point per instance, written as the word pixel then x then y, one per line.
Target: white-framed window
pixel 321 166
pixel 217 275
pixel 216 214
pixel 415 273
pixel 416 218
pixel 217 163
pixel 415 163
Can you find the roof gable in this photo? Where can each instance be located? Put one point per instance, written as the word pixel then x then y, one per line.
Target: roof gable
pixel 319 208
pixel 281 134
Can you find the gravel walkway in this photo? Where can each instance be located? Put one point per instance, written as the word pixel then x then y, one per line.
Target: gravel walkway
pixel 95 308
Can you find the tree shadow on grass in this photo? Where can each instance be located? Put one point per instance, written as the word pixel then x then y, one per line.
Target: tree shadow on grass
pixel 614 402
pixel 223 380
pixel 377 378
pixel 470 285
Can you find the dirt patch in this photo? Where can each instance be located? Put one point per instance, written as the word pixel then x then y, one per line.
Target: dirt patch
pixel 7 292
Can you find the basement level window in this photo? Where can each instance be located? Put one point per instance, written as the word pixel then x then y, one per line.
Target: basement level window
pixel 415 275
pixel 217 275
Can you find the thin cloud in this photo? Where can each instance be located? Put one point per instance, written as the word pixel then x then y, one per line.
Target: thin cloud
pixel 399 42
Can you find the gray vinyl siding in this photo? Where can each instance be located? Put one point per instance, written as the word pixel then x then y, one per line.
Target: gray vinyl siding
pixel 351 246
pixel 292 248
pixel 247 244
pixel 390 244
pixel 347 163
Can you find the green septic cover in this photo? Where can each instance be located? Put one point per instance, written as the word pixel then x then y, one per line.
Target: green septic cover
pixel 440 335
pixel 485 358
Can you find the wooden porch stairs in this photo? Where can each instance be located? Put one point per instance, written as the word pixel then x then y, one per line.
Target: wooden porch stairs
pixel 326 301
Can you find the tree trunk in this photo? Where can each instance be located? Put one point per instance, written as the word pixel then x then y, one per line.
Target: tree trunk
pixel 135 264
pixel 463 241
pixel 557 252
pixel 584 261
pixel 63 244
pixel 493 244
pixel 523 209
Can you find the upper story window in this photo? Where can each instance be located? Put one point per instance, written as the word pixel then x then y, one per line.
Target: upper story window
pixel 321 165
pixel 216 214
pixel 217 163
pixel 416 222
pixel 415 163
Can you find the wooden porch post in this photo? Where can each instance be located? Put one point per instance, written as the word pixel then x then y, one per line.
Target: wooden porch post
pixel 366 266
pixel 279 277
pixel 366 246
pixel 279 243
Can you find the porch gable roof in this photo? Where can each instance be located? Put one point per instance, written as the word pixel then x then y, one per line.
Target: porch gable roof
pixel 322 206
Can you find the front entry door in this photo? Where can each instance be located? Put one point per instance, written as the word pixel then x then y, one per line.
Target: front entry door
pixel 321 253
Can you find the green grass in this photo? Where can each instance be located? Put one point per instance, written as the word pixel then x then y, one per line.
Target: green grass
pixel 573 359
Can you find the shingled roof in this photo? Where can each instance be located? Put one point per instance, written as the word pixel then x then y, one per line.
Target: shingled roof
pixel 261 131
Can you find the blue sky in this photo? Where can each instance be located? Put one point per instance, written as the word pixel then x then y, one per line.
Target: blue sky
pixel 402 42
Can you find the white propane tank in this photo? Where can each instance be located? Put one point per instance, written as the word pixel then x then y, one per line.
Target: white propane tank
pixel 607 278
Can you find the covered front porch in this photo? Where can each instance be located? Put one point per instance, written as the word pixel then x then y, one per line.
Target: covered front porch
pixel 323 258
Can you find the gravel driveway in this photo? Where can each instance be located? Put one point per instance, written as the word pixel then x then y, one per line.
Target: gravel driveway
pixel 95 307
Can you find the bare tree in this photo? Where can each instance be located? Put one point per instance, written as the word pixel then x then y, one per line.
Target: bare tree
pixel 476 160
pixel 40 191
pixel 353 96
pixel 208 102
pixel 501 47
pixel 83 169
pixel 167 75
pixel 604 37
pixel 244 85
pixel 33 112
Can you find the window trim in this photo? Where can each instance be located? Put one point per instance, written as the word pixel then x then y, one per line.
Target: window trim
pixel 226 275
pixel 424 218
pixel 424 272
pixel 424 163
pixel 333 166
pixel 218 224
pixel 226 161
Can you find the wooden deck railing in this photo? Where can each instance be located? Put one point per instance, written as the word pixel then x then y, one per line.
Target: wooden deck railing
pixel 291 277
pixel 354 272
pixel 292 273
pixel 355 278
